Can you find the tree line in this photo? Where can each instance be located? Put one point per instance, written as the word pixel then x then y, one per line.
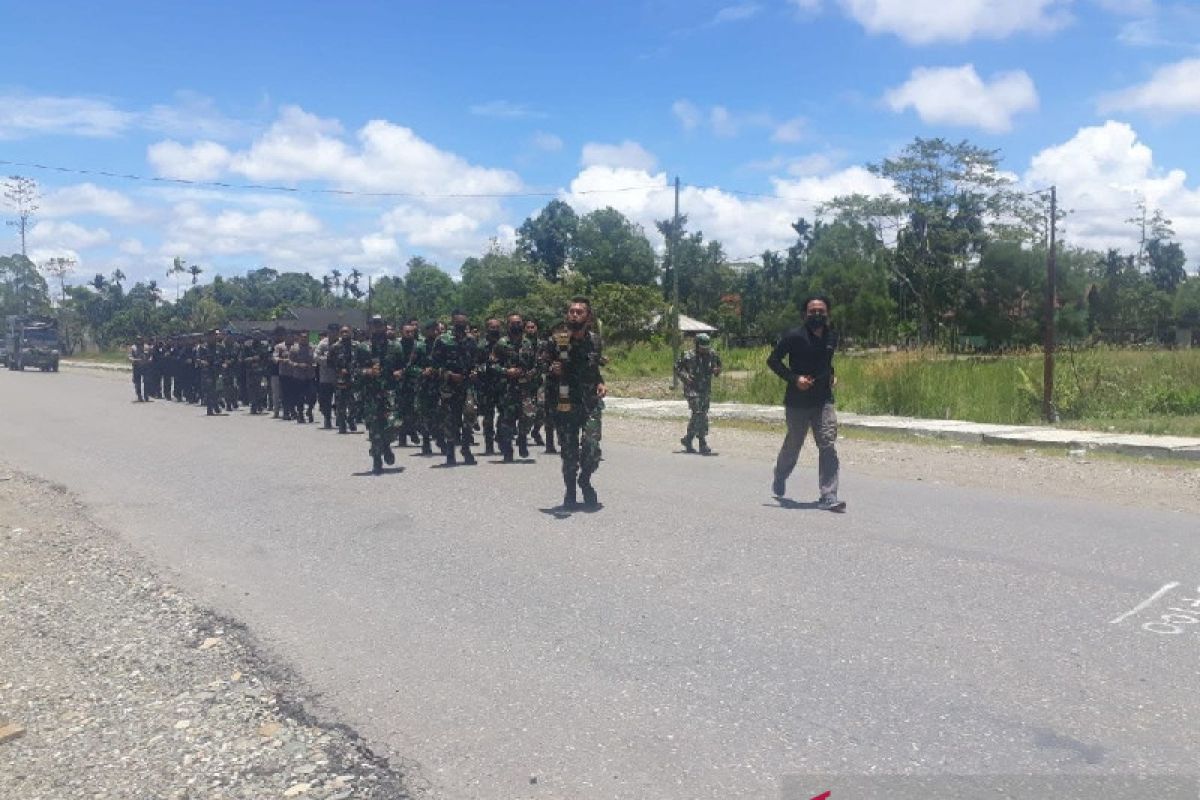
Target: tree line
pixel 954 256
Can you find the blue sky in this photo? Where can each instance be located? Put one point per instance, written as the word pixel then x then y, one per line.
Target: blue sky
pixel 597 103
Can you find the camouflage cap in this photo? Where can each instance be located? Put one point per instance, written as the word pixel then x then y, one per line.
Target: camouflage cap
pixel 703 339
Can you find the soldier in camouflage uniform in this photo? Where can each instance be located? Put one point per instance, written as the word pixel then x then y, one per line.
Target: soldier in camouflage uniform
pixel 230 365
pixel 374 363
pixel 425 378
pixel 695 369
pixel 341 360
pixel 488 386
pixel 516 364
pixel 406 386
pixel 578 390
pixel 255 356
pixel 541 401
pixel 454 359
pixel 207 359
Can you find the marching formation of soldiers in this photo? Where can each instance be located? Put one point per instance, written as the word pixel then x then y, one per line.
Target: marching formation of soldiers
pixel 422 385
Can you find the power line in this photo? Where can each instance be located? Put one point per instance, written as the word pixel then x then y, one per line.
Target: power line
pixel 314 190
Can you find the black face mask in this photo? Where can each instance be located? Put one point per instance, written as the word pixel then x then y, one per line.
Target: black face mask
pixel 493 335
pixel 515 330
pixel 816 321
pixel 460 329
pixel 345 339
pixel 575 325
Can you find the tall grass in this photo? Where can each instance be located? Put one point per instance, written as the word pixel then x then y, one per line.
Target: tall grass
pixel 1144 389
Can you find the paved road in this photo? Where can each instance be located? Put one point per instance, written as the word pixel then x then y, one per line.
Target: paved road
pixel 693 639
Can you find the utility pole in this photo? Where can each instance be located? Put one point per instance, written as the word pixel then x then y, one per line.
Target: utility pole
pixel 673 249
pixel 369 291
pixel 1051 308
pixel 21 194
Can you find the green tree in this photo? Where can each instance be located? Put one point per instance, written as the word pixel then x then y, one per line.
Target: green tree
pixel 1166 262
pixel 23 289
pixel 845 262
pixel 627 313
pixel 430 291
pixel 494 275
pixel 608 248
pixel 1186 304
pixel 546 240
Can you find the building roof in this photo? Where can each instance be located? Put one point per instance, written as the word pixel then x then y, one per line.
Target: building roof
pixel 689 325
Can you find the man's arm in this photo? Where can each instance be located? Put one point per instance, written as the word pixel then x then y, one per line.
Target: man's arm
pixel 775 360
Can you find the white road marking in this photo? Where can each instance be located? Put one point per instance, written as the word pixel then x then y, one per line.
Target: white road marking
pixel 1149 601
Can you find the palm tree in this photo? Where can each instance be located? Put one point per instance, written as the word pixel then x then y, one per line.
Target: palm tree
pixel 154 292
pixel 337 280
pixel 117 277
pixel 194 270
pixel 352 282
pixel 99 282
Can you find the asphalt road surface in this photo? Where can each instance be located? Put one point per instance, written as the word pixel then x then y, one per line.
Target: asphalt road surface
pixel 692 639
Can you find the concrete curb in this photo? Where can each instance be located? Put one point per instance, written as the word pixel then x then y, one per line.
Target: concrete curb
pixel 1130 444
pixel 953 430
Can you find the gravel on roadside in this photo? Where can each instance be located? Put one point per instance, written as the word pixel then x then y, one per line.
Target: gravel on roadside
pixel 115 685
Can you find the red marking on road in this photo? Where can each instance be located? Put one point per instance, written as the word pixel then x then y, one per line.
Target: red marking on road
pixel 824 796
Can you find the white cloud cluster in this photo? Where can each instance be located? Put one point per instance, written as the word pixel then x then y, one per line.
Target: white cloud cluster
pixel 1172 89
pixel 24 115
pixel 626 154
pixel 1101 173
pixel 727 124
pixel 745 225
pixel 958 96
pixel 88 199
pixel 922 22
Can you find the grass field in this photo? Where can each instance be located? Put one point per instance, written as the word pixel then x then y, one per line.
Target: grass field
pixel 1124 390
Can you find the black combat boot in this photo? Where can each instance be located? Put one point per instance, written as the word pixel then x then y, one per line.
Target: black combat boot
pixel 353 427
pixel 589 492
pixel 550 449
pixel 687 444
pixel 426 447
pixel 536 436
pixel 506 449
pixel 468 457
pixel 451 456
pixel 489 445
pixel 388 455
pixel 704 448
pixel 342 426
pixel 523 447
pixel 569 499
pixel 376 464
pixel 328 423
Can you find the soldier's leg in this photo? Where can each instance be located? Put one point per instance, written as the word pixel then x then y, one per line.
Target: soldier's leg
pixel 488 407
pixel 589 454
pixel 137 383
pixel 325 399
pixel 507 428
pixel 701 414
pixel 568 441
pixel 466 421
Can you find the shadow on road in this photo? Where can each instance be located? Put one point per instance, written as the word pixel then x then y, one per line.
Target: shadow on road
pixel 371 474
pixel 793 505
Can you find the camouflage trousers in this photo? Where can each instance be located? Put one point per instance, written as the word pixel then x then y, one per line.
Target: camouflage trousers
pixel 209 388
pixel 456 426
pixel 256 393
pixel 405 412
pixel 229 389
pixel 698 423
pixel 487 404
pixel 377 416
pixel 518 412
pixel 579 441
pixel 429 420
pixel 343 402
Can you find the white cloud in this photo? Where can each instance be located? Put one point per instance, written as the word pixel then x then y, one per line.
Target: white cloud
pixel 133 247
pixel 735 13
pixel 193 116
pixel 626 154
pixel 958 96
pixel 547 142
pixel 687 114
pixel 22 116
pixel 86 199
pixel 58 235
pixel 807 7
pixel 1172 89
pixel 1101 173
pixel 790 131
pixel 745 226
pixel 922 22
pixel 201 161
pixel 504 109
pixel 726 124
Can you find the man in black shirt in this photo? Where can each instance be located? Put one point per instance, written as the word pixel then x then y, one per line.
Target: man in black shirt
pixel 808 372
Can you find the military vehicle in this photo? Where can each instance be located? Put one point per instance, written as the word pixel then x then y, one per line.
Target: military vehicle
pixel 31 341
